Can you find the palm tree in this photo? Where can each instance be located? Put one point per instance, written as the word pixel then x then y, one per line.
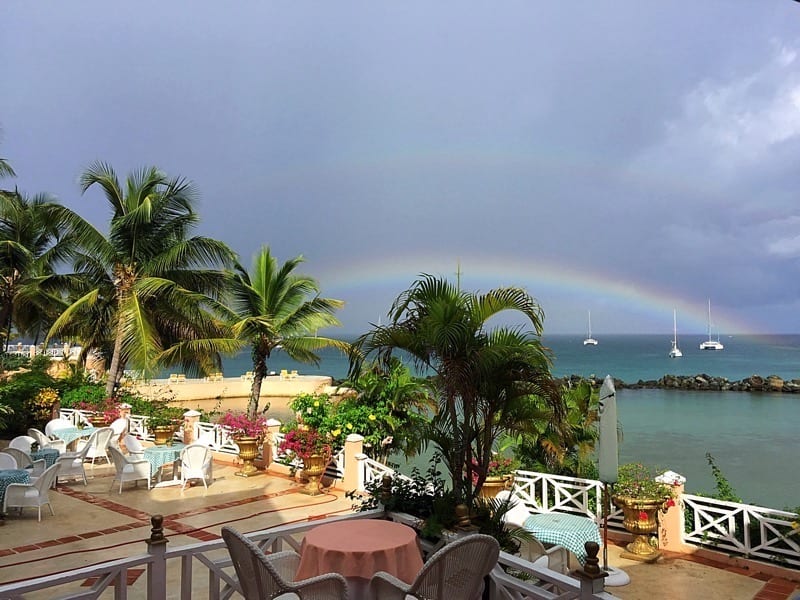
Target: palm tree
pixel 483 376
pixel 149 282
pixel 34 240
pixel 273 307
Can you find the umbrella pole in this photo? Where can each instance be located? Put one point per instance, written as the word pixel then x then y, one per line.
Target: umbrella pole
pixel 606 508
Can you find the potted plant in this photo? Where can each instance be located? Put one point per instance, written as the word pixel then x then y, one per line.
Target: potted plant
pixel 499 475
pixel 248 433
pixel 310 446
pixel 163 421
pixel 641 496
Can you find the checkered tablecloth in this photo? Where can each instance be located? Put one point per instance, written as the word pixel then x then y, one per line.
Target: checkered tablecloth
pixel 70 434
pixel 50 455
pixel 9 476
pixel 570 531
pixel 158 456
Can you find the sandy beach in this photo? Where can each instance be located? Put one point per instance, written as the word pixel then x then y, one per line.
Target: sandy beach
pixel 232 393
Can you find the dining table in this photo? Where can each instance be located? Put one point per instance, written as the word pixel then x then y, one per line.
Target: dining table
pixel 9 476
pixel 359 548
pixel 161 455
pixel 50 456
pixel 561 529
pixel 70 434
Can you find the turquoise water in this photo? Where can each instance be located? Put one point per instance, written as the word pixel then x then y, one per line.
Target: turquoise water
pixel 753 437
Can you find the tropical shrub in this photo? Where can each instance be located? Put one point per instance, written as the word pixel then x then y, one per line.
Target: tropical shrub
pixel 241 424
pixel 16 393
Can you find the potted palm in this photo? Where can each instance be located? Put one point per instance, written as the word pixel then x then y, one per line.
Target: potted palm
pixel 310 446
pixel 248 433
pixel 163 422
pixel 641 496
pixel 499 476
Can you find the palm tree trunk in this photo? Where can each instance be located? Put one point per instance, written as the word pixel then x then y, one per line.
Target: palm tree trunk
pixel 116 366
pixel 259 372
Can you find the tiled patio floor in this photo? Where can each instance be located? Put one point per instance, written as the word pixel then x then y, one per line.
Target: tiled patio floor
pixel 95 524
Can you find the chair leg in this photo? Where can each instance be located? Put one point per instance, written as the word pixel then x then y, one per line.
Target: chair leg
pixel 52 512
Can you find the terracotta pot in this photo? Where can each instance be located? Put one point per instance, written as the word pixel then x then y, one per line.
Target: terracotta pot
pixel 494 484
pixel 248 451
pixel 313 468
pixel 640 517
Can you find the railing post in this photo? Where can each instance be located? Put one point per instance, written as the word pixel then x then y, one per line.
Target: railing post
pixel 671 519
pixel 157 568
pixel 353 447
pixel 273 427
pixel 190 420
pixel 591 575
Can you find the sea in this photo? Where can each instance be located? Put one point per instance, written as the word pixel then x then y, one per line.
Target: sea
pixel 754 438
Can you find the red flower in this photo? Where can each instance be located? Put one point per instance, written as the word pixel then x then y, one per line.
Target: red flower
pixel 670 503
pixel 643 515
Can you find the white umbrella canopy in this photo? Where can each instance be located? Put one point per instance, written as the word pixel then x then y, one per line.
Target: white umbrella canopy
pixel 608 453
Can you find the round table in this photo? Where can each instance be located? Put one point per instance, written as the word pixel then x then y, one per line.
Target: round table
pixel 570 531
pixel 70 434
pixel 359 548
pixel 50 456
pixel 9 476
pixel 158 456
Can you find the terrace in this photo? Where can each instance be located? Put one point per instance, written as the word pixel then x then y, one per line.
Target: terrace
pixel 68 555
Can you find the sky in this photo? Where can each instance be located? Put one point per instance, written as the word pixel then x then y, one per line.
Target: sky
pixel 626 158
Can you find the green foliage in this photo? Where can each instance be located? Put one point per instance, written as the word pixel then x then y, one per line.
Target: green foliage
pixel 12 362
pixel 724 490
pixel 90 393
pixel 636 480
pixel 16 392
pixel 489 516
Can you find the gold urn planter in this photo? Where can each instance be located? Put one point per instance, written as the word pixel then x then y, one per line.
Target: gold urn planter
pixel 640 517
pixel 495 484
pixel 248 451
pixel 313 468
pixel 163 435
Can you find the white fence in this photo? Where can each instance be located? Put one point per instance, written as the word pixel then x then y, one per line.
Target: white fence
pixel 204 570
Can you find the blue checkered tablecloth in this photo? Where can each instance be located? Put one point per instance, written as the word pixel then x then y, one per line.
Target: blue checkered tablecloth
pixel 70 434
pixel 570 531
pixel 158 456
pixel 9 476
pixel 50 455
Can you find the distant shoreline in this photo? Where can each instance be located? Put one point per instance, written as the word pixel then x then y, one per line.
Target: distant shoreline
pixel 702 382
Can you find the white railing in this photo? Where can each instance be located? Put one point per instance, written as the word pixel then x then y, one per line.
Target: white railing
pixel 752 531
pixel 73 352
pixel 369 470
pixel 205 570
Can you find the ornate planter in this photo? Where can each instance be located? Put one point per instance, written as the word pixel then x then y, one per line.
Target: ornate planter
pixel 313 468
pixel 248 451
pixel 163 434
pixel 640 517
pixel 495 484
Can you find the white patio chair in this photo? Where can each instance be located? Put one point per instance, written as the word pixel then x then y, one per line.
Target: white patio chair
pixel 128 469
pixel 54 424
pixel 46 442
pixel 196 463
pixel 134 446
pixel 23 442
pixel 20 495
pixel 555 558
pixel 8 462
pixel 264 577
pixel 455 571
pixel 23 460
pixel 98 444
pixel 72 462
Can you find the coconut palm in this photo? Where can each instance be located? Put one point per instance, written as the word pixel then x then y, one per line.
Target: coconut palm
pixel 272 307
pixel 483 376
pixel 34 240
pixel 147 286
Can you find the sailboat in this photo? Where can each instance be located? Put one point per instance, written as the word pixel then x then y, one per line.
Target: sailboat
pixel 711 344
pixel 589 341
pixel 675 352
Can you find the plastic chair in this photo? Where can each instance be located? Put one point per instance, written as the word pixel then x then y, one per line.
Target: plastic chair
pixel 23 442
pixel 455 571
pixel 72 462
pixel 46 442
pixel 264 577
pixel 98 444
pixel 134 446
pixel 20 495
pixel 54 424
pixel 129 469
pixel 196 463
pixel 9 462
pixel 555 558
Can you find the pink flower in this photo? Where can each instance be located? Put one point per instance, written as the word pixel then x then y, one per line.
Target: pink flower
pixel 241 425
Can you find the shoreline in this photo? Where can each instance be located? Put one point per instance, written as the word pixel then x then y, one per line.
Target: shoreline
pixel 700 382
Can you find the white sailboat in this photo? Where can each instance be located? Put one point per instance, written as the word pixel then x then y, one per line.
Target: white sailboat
pixel 711 344
pixel 589 341
pixel 675 352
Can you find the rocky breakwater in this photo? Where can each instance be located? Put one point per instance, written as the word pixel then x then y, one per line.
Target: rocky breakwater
pixel 703 382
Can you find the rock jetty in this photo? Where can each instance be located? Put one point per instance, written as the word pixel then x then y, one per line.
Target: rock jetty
pixel 702 382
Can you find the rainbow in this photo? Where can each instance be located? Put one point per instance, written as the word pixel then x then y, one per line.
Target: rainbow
pixel 545 280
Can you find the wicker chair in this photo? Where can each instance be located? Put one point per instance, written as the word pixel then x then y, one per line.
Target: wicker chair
pixel 264 577
pixel 20 495
pixel 23 460
pixel 46 442
pixel 455 571
pixel 129 469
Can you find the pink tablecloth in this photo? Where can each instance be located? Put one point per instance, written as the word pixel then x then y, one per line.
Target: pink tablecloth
pixel 361 548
